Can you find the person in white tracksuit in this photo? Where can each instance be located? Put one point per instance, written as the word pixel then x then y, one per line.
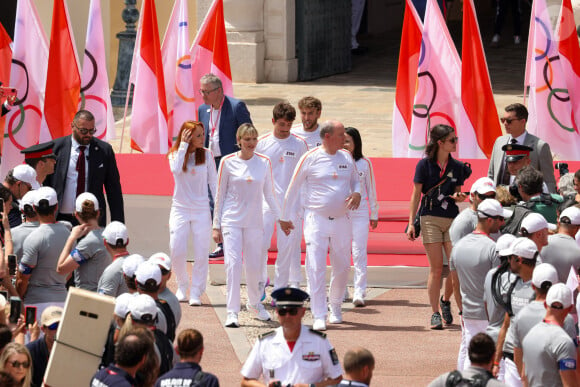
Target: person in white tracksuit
pixel 366 214
pixel 244 178
pixel 284 150
pixel 329 176
pixel 193 169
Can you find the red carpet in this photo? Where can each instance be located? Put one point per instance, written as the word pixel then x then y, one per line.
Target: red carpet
pixel 387 246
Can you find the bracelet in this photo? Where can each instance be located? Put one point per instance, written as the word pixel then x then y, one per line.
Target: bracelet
pixel 7 240
pixel 495 363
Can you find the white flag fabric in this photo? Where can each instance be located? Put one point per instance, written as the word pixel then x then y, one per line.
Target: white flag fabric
pixel 95 91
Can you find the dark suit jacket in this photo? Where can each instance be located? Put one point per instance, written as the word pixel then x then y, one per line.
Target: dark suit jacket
pixel 102 173
pixel 540 158
pixel 234 113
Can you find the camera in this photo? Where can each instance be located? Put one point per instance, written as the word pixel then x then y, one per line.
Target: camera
pixel 513 189
pixel 562 167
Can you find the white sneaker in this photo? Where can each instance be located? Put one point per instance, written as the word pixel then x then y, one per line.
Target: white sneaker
pixel 358 301
pixel 259 311
pixel 319 325
pixel 232 320
pixel 517 39
pixel 194 301
pixel 180 294
pixel 335 316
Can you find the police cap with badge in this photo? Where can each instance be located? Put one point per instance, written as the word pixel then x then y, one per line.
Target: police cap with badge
pixel 515 152
pixel 289 297
pixel 39 151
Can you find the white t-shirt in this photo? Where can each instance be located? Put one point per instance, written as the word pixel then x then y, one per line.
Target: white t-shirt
pixel 312 138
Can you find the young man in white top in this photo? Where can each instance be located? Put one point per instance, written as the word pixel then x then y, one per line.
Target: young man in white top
pixel 310 110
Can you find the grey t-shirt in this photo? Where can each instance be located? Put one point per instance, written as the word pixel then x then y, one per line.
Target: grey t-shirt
pixel 19 234
pixel 463 224
pixel 467 373
pixel 522 295
pixel 530 316
pixel 112 282
pixel 562 252
pixel 173 303
pixel 472 257
pixel 547 348
pixel 495 313
pixel 40 252
pixel 92 256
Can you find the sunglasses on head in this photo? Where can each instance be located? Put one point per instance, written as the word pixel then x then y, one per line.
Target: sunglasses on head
pixel 291 311
pixel 17 364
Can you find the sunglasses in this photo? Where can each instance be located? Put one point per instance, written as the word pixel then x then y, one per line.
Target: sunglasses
pixel 290 311
pixel 85 131
pixel 488 196
pixel 453 140
pixel 508 120
pixel 17 364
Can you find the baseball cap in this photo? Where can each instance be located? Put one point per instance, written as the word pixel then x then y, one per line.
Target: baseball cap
pixel 51 315
pixel 147 271
pixel 483 185
pixel 490 208
pixel 122 304
pixel 27 199
pixel 522 247
pixel 131 263
pixel 534 222
pixel 115 231
pixel 84 197
pixel 45 193
pixel 559 293
pixel 162 260
pixel 27 174
pixel 143 309
pixel 503 242
pixel 544 272
pixel 570 215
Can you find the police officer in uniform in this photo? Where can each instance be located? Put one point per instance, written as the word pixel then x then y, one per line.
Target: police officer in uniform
pixel 291 355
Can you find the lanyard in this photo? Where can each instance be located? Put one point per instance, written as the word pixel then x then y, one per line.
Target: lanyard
pixel 442 168
pixel 214 124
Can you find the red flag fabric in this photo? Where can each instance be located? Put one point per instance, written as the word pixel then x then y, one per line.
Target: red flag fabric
pixel 569 51
pixel 63 80
pixel 5 59
pixel 476 92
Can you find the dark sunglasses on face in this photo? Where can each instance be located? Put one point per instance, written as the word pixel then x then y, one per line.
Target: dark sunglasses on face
pixel 508 120
pixel 488 196
pixel 283 311
pixel 17 364
pixel 85 131
pixel 453 140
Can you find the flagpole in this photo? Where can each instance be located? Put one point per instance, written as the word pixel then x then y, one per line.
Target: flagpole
pixel 125 117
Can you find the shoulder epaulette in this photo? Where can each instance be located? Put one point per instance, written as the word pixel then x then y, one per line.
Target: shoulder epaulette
pixel 264 335
pixel 322 334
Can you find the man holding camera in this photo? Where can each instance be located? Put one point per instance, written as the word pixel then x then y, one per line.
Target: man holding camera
pixel 292 355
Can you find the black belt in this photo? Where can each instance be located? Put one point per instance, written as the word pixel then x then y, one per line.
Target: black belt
pixel 331 218
pixel 508 355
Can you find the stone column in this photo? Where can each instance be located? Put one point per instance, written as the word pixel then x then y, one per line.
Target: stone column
pixel 280 37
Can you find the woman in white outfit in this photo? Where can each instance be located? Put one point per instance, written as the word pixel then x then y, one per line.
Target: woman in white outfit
pixel 366 214
pixel 193 170
pixel 244 178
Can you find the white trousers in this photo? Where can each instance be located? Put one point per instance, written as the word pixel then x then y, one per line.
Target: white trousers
pixel 469 328
pixel 360 236
pixel 320 234
pixel 512 376
pixel 184 223
pixel 242 243
pixel 287 268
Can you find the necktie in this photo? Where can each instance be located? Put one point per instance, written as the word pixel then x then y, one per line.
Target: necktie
pixel 81 170
pixel 514 141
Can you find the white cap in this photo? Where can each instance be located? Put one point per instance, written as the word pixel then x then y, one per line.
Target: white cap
pixel 534 222
pixel 84 197
pixel 559 293
pixel 45 193
pixel 522 247
pixel 491 207
pixel 114 231
pixel 544 272
pixel 143 309
pixel 27 174
pixel 122 304
pixel 28 198
pixel 504 242
pixel 147 271
pixel 131 263
pixel 483 185
pixel 572 215
pixel 162 260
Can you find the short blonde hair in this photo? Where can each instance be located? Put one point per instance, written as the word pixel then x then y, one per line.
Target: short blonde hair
pixel 246 129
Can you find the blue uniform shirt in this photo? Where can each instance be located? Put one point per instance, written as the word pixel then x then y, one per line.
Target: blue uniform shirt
pixel 112 376
pixel 183 374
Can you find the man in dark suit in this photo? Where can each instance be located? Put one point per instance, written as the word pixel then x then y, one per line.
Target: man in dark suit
pixel 221 116
pixel 514 120
pixel 86 164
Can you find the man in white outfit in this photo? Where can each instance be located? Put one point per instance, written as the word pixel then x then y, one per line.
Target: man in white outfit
pixel 284 150
pixel 332 187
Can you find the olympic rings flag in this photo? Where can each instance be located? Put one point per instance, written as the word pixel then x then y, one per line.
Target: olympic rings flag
pixel 406 80
pixel 177 70
pixel 5 60
pixel 28 76
pixel 209 51
pixel 149 114
pixel 550 111
pixel 95 94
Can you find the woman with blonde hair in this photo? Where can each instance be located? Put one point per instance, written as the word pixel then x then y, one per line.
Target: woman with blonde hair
pixel 16 360
pixel 193 170
pixel 244 178
pixel 84 251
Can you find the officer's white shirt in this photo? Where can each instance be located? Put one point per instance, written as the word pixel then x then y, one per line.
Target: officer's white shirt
pixel 312 138
pixel 327 181
pixel 312 360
